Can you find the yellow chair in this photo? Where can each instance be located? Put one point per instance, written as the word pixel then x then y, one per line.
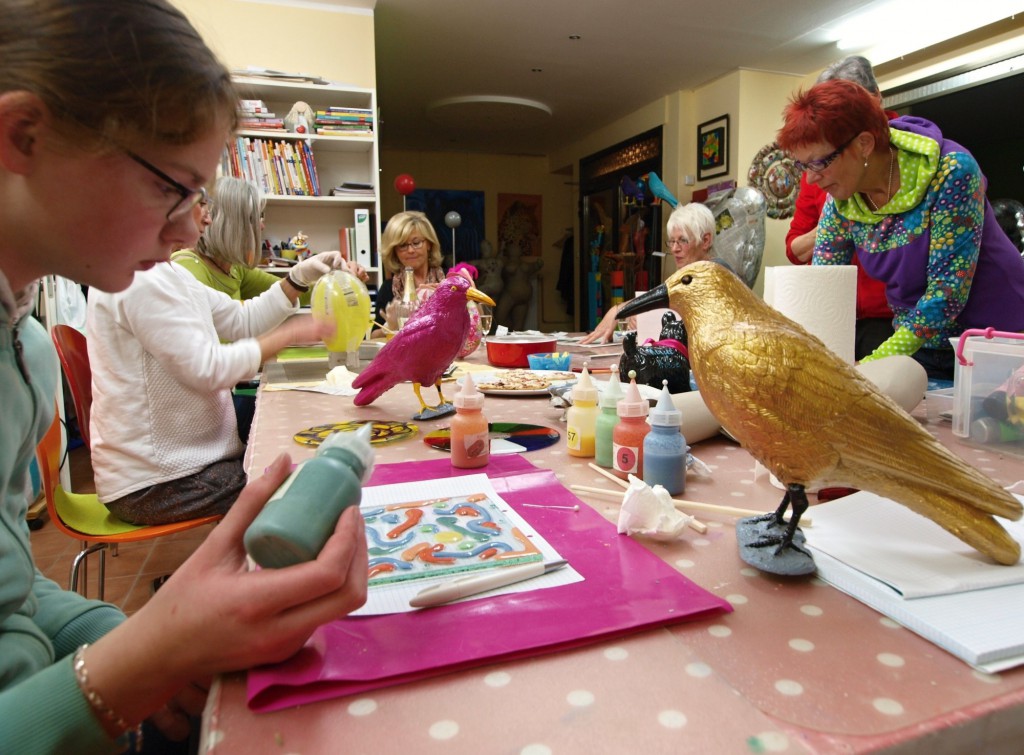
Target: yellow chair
pixel 83 517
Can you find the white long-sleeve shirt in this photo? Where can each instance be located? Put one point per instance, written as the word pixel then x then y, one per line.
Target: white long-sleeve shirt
pixel 162 379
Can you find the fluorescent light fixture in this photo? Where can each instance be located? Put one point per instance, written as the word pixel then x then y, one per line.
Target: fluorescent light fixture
pixel 889 29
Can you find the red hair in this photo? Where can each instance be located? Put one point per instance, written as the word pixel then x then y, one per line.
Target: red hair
pixel 833 111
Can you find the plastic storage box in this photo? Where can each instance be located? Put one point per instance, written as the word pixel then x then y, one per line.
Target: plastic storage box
pixel 988 390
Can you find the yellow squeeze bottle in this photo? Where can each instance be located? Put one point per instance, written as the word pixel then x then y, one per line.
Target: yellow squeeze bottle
pixel 581 419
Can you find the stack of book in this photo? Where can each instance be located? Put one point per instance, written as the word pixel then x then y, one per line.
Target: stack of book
pixel 253 115
pixel 354 190
pixel 284 168
pixel 347 121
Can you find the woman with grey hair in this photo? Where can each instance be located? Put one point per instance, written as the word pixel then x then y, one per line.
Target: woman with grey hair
pixel 691 233
pixel 226 255
pixel 855 68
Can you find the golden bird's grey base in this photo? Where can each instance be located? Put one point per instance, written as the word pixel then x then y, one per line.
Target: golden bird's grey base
pixel 758 538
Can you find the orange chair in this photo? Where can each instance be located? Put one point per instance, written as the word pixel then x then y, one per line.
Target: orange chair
pixel 83 517
pixel 74 358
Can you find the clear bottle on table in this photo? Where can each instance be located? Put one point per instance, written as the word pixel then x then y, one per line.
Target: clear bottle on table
pixel 410 302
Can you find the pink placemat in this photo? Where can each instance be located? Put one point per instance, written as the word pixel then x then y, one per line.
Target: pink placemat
pixel 626 588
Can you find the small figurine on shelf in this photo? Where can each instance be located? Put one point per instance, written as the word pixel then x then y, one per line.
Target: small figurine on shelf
pixel 300 119
pixel 299 244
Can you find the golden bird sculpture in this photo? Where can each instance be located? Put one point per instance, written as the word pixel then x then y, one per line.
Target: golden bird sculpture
pixel 812 419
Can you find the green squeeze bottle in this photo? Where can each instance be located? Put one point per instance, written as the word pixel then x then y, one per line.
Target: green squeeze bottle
pixel 300 517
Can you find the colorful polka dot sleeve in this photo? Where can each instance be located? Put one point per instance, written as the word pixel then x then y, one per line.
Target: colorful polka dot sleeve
pixel 901 342
pixel 948 218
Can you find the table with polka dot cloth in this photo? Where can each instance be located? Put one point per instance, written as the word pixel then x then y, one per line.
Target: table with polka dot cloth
pixel 797 667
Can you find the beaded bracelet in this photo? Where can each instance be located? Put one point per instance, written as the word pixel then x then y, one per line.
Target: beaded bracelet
pixel 301 288
pixel 97 702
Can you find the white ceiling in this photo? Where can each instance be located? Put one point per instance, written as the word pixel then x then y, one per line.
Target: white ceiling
pixel 629 54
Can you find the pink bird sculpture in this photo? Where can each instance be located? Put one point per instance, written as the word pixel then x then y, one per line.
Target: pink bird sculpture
pixel 425 346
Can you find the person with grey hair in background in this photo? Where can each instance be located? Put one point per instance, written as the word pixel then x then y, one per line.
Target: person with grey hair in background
pixel 226 255
pixel 690 230
pixel 874 316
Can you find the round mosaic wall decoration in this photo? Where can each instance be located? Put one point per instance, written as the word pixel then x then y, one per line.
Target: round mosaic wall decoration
pixel 776 175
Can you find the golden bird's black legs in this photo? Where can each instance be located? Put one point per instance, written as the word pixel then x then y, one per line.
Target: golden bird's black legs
pixel 757 534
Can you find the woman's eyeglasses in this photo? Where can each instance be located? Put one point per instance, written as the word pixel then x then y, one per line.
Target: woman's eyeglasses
pixel 819 166
pixel 189 197
pixel 677 243
pixel 415 245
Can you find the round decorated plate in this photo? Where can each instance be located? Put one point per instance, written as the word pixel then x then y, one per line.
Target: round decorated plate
pixel 383 431
pixel 520 382
pixel 506 437
pixel 776 175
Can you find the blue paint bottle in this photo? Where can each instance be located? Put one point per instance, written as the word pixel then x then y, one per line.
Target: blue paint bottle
pixel 665 447
pixel 606 421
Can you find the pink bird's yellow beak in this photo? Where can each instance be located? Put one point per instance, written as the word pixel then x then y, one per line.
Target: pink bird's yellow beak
pixel 475 294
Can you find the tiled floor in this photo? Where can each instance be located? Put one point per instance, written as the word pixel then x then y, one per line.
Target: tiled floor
pixel 131 572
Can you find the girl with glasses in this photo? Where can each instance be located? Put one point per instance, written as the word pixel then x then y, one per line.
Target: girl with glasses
pixel 81 82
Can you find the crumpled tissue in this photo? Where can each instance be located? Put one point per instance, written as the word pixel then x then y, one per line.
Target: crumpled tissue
pixel 650 512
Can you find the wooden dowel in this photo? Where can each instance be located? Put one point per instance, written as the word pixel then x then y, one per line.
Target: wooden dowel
pixel 694 524
pixel 601 470
pixel 805 521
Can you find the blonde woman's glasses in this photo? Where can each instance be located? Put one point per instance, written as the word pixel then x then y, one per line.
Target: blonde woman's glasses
pixel 415 245
pixel 189 198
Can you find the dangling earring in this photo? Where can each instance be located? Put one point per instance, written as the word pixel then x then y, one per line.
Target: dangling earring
pixel 865 162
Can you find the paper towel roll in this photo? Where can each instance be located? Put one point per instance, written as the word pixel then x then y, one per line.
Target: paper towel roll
pixel 821 298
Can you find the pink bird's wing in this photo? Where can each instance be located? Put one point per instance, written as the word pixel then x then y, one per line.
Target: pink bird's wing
pixel 421 351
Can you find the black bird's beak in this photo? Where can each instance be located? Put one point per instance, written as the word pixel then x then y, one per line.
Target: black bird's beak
pixel 656 298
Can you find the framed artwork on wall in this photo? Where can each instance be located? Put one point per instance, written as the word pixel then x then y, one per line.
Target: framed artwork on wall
pixel 713 148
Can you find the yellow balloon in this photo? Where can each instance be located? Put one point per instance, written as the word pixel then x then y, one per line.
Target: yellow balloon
pixel 341 298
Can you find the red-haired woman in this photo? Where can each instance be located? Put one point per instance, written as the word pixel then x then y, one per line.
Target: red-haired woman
pixel 911 206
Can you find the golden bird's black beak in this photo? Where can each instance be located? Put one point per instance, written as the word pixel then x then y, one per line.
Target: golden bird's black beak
pixel 656 298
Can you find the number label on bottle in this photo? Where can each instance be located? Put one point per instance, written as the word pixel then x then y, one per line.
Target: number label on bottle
pixel 572 438
pixel 626 458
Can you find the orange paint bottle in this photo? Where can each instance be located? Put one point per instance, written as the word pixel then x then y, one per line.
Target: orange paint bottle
pixel 470 435
pixel 628 436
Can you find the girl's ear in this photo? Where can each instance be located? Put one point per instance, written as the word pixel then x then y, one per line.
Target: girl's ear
pixel 22 116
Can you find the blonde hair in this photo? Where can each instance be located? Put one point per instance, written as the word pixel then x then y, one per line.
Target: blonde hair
pixel 129 73
pixel 234 235
pixel 398 230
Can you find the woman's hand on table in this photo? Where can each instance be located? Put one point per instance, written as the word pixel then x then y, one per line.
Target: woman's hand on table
pixel 296 329
pixel 605 330
pixel 214 615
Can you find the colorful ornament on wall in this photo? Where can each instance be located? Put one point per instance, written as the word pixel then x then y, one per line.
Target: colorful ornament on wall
pixel 775 174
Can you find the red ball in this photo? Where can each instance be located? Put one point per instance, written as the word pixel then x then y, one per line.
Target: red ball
pixel 404 184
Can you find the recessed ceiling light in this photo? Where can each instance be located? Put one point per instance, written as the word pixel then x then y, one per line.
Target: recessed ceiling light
pixel 575 36
pixel 537 70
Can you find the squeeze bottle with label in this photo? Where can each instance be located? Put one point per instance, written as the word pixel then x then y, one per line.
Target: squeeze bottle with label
pixel 301 516
pixel 607 419
pixel 470 436
pixel 581 419
pixel 628 435
pixel 665 447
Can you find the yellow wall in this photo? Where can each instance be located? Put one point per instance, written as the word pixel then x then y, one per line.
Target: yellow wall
pixel 335 44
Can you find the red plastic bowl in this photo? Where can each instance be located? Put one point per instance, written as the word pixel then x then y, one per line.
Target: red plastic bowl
pixel 514 351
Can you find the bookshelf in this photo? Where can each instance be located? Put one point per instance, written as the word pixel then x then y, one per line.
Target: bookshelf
pixel 338 159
